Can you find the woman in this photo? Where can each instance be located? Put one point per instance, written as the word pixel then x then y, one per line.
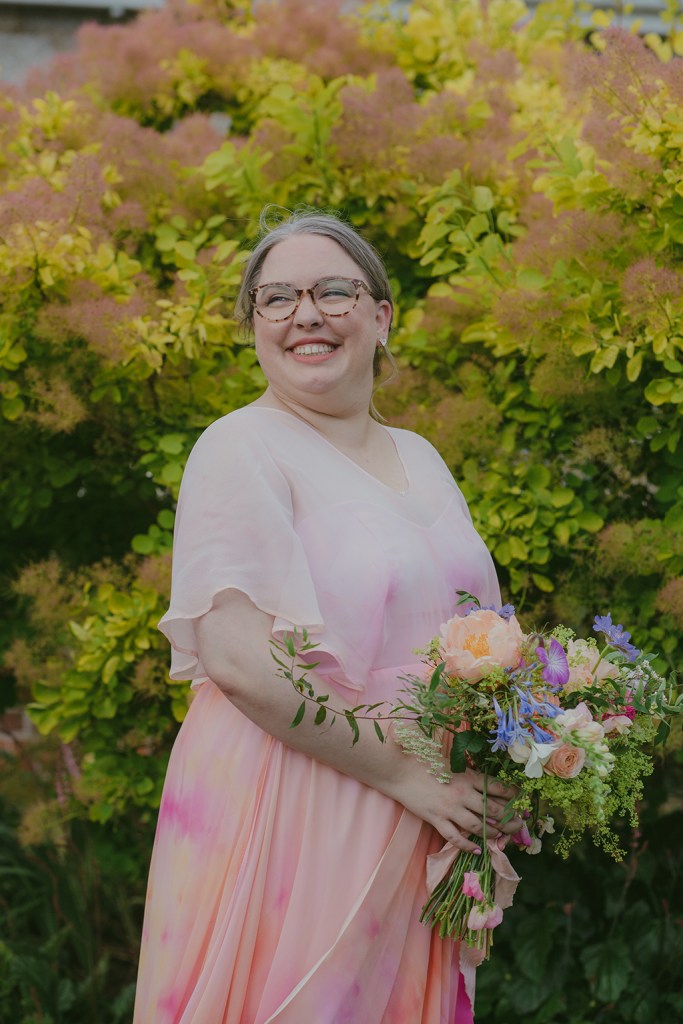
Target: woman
pixel 288 871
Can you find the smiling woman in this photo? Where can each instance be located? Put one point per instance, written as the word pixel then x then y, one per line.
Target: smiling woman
pixel 289 867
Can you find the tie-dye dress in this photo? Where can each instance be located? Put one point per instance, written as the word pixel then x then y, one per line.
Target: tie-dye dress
pixel 282 891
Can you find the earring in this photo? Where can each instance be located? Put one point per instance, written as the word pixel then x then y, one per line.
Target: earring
pixel 382 342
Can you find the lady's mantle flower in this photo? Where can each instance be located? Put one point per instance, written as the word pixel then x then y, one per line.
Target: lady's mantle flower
pixel 472 887
pixel 616 636
pixel 554 660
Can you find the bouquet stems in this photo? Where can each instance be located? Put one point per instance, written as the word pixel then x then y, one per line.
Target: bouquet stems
pixel 451 908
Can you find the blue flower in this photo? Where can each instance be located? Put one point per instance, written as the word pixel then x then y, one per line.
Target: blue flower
pixel 508 729
pixel 541 735
pixel 506 612
pixel 616 636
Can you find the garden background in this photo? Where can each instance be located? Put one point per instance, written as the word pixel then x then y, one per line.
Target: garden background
pixel 523 177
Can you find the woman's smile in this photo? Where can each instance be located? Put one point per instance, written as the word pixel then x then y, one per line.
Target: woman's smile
pixel 312 350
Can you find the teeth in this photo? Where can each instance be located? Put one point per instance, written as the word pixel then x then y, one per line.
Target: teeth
pixel 313 350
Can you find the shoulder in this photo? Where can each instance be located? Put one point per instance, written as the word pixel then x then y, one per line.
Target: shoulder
pixel 237 446
pixel 408 441
pixel 237 432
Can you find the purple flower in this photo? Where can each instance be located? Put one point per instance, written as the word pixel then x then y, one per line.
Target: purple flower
pixel 616 636
pixel 506 612
pixel 556 671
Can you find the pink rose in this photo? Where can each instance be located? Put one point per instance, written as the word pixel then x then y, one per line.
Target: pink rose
pixel 479 642
pixel 566 762
pixel 471 885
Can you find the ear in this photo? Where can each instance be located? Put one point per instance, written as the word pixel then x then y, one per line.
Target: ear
pixel 383 317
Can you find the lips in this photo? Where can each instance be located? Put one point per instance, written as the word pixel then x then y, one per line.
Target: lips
pixel 313 347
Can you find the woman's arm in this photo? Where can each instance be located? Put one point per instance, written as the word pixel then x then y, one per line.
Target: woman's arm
pixel 234 639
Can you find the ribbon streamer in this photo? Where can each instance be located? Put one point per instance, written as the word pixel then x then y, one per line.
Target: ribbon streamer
pixel 505 884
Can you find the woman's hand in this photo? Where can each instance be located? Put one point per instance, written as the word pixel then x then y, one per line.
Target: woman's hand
pixel 455 809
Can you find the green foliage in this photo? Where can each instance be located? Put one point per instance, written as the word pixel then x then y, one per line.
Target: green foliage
pixel 594 942
pixel 526 190
pixel 71 898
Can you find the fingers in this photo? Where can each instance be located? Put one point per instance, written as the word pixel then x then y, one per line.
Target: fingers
pixel 459 840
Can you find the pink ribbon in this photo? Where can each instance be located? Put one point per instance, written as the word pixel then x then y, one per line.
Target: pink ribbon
pixel 506 880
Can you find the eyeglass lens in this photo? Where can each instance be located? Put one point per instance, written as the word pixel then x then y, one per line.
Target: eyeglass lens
pixel 333 296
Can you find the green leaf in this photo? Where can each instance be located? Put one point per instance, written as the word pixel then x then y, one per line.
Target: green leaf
pixel 166 519
pixel 298 717
pixel 378 730
pixel 436 676
pixel 320 715
pixel 463 742
pixel 353 725
pixel 609 968
pixel 561 496
pixel 542 582
pixel 590 521
pixel 483 198
pixel 142 544
pixel 530 280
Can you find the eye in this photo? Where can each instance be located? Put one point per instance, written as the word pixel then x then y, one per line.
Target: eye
pixel 336 290
pixel 274 297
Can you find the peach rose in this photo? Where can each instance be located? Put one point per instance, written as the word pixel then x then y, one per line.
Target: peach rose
pixel 580 656
pixel 477 643
pixel 584 669
pixel 566 762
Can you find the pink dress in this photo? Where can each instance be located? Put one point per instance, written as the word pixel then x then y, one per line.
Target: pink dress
pixel 281 891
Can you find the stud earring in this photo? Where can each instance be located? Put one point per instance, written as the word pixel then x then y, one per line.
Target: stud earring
pixel 382 342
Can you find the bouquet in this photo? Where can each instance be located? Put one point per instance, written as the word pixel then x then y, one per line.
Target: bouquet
pixel 567 722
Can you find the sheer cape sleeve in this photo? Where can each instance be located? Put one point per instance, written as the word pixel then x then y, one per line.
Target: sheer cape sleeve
pixel 234 530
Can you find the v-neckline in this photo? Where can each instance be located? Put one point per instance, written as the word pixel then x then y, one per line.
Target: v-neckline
pixel 401 493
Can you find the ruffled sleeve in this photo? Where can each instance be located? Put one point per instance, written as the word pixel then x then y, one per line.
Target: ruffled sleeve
pixel 234 530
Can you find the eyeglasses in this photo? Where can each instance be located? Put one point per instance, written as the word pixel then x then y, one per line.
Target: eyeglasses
pixel 331 296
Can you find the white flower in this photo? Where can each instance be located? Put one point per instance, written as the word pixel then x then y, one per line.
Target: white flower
pixel 533 755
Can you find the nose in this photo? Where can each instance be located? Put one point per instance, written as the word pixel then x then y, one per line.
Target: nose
pixel 307 314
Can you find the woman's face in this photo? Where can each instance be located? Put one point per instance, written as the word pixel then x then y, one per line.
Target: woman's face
pixel 322 362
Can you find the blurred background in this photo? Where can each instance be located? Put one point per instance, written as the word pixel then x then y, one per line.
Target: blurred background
pixel 519 166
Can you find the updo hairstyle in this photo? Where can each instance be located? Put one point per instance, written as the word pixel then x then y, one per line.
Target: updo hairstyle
pixel 307 222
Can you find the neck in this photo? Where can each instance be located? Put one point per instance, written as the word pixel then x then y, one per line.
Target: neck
pixel 348 429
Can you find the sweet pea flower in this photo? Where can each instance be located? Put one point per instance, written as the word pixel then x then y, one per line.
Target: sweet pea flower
pixel 617 723
pixel 535 847
pixel 522 838
pixel 580 723
pixel 471 886
pixel 488 916
pixel 476 644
